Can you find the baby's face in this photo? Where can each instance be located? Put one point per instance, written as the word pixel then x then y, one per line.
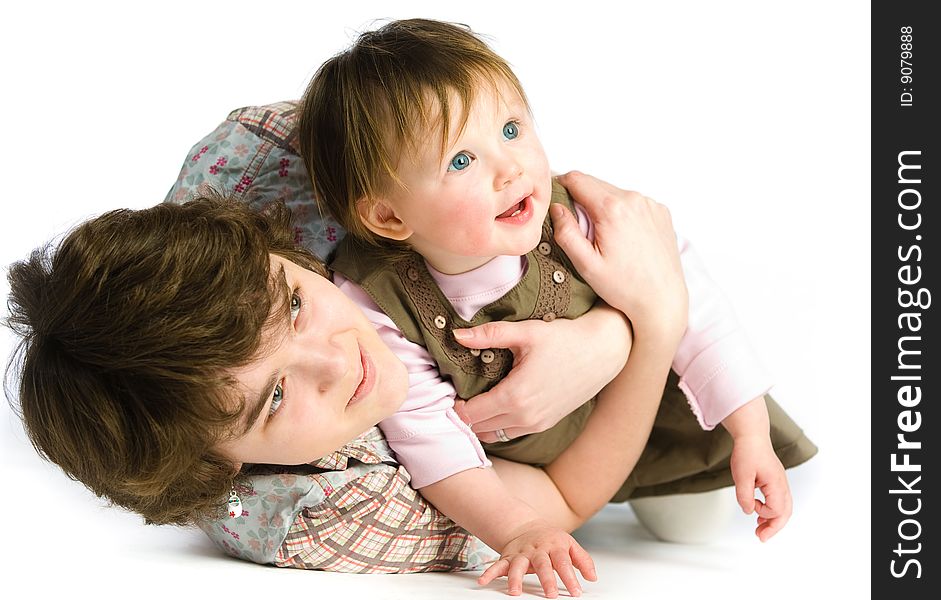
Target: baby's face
pixel 486 196
pixel 325 379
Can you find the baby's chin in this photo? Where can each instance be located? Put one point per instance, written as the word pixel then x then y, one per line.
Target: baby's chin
pixel 532 241
pixel 541 207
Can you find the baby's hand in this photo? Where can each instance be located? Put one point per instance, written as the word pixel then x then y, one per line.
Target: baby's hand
pixel 756 466
pixel 541 550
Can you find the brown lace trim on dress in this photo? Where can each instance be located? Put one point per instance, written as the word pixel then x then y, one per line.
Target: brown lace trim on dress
pixel 552 300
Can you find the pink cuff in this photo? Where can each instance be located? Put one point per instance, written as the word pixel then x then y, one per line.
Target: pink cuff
pixel 723 378
pixel 585 223
pixel 432 455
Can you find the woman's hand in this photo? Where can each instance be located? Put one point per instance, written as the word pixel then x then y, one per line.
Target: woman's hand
pixel 538 393
pixel 633 262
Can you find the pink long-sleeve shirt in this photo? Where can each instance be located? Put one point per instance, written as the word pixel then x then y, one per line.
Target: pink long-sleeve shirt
pixel 719 372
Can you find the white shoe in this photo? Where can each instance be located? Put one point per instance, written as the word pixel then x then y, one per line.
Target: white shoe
pixel 687 518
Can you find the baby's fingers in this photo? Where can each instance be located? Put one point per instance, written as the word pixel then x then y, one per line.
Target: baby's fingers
pixel 778 501
pixel 745 492
pixel 583 562
pixel 770 522
pixel 543 567
pixel 497 569
pixel 766 530
pixel 518 568
pixel 562 563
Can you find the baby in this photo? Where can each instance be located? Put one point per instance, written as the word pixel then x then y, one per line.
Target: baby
pixel 420 142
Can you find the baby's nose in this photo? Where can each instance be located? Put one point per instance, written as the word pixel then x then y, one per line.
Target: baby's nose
pixel 510 170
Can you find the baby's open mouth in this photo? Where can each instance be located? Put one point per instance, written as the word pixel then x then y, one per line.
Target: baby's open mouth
pixel 513 210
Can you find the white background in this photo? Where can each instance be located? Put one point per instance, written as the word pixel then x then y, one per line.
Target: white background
pixel 750 120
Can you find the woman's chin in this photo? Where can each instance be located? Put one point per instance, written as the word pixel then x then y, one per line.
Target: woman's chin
pixel 392 385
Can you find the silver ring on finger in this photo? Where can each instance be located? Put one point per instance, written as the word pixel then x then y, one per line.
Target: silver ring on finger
pixel 501 435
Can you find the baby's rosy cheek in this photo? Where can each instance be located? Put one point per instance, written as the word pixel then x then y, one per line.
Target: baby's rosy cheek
pixel 478 239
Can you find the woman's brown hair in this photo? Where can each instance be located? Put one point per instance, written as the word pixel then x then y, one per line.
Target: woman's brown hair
pixel 127 332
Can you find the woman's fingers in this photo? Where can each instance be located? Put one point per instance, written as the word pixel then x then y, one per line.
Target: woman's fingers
pixel 497 334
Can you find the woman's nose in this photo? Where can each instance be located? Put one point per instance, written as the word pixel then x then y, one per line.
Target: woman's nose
pixel 328 361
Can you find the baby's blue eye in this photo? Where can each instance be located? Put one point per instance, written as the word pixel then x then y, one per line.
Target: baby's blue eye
pixel 511 130
pixel 460 162
pixel 276 399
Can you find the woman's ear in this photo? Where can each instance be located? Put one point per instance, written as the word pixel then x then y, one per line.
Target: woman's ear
pixel 380 218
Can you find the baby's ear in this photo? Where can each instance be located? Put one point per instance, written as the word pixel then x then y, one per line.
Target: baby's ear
pixel 380 218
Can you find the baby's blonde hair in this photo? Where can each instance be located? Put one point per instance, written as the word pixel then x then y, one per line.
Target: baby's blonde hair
pixel 362 107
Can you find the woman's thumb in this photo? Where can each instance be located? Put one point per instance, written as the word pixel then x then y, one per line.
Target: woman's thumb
pixel 569 237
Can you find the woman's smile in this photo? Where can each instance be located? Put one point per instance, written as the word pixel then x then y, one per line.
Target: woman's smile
pixel 367 380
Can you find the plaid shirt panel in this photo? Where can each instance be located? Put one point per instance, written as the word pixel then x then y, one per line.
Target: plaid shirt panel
pixel 379 524
pixel 352 511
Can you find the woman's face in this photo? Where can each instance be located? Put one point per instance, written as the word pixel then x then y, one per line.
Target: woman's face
pixel 325 378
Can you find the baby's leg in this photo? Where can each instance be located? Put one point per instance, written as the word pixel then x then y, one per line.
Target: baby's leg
pixel 687 518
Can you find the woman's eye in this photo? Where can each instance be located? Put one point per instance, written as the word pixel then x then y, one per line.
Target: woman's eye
pixel 511 130
pixel 460 162
pixel 276 398
pixel 296 303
